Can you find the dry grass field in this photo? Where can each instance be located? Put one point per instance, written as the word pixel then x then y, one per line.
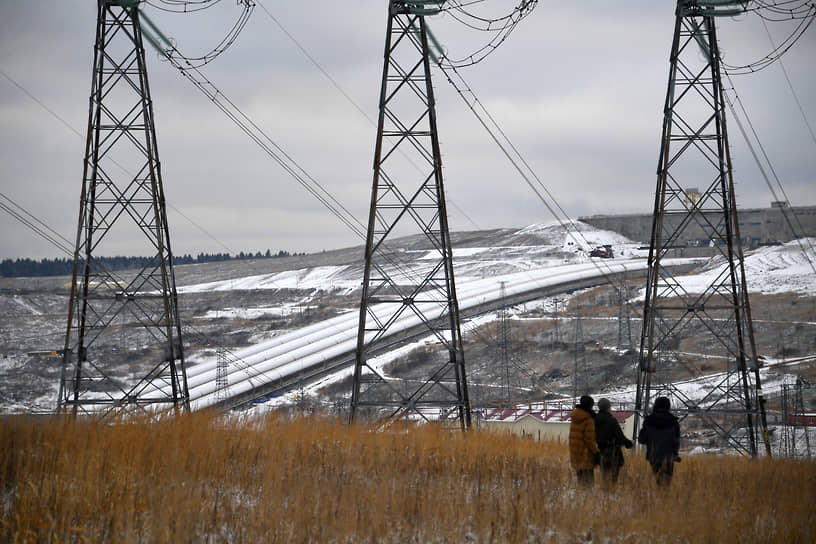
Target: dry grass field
pixel 202 478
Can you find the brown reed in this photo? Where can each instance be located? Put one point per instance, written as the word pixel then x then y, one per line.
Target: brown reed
pixel 206 478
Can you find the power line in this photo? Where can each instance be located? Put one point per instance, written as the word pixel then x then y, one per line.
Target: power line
pixel 36 225
pixel 70 127
pixel 349 99
pixel 785 213
pixel 500 27
pixel 226 42
pixel 40 103
pixel 525 7
pixel 316 64
pixel 197 5
pixel 263 140
pixel 517 160
pixel 790 86
pixel 802 10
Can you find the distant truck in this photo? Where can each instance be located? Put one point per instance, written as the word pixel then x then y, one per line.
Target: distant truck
pixel 604 252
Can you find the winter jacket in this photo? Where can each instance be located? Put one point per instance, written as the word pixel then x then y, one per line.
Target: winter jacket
pixel 610 438
pixel 582 444
pixel 661 435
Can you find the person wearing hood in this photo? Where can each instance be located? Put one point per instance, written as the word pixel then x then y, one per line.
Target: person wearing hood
pixel 610 438
pixel 582 446
pixel 661 435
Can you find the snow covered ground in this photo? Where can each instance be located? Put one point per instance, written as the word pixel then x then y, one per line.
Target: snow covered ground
pixel 312 345
pixel 769 270
pixel 524 260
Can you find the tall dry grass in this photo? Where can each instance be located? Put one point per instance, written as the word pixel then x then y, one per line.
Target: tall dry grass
pixel 201 478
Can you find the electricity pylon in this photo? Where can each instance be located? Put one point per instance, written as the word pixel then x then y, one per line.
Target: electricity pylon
pixel 412 291
pixel 580 378
pixel 221 375
pixel 503 344
pixel 624 315
pixel 122 211
pixel 694 152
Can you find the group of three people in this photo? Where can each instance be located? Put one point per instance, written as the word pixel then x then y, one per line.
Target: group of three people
pixel 597 439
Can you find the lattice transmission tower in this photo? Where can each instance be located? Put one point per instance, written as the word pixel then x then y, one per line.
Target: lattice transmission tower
pixel 409 292
pixel 503 345
pixel 624 315
pixel 123 343
pixel 580 372
pixel 716 318
pixel 221 375
pixel 796 421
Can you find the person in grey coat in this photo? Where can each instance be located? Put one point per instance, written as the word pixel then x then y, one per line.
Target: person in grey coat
pixel 661 435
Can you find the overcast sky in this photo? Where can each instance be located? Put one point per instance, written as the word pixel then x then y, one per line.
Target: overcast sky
pixel 579 88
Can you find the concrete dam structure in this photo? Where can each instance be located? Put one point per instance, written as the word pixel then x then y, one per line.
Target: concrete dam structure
pixel 758 226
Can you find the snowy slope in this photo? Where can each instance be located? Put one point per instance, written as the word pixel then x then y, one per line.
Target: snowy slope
pixel 528 259
pixel 292 352
pixel 770 270
pixel 523 259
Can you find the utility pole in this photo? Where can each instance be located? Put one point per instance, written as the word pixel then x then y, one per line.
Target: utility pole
pixel 580 382
pixel 122 211
pixel 221 375
pixel 401 291
pixel 694 152
pixel 503 341
pixel 799 411
pixel 624 316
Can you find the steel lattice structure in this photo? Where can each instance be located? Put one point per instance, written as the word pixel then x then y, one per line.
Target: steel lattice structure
pixel 694 152
pixel 795 420
pixel 221 375
pixel 503 345
pixel 580 376
pixel 408 198
pixel 122 324
pixel 624 316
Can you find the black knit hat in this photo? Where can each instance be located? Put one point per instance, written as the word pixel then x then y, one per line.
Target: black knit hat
pixel 662 404
pixel 587 402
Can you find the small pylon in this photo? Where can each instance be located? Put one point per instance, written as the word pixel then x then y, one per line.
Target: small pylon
pixel 624 316
pixel 503 344
pixel 580 380
pixel 221 375
pixel 556 333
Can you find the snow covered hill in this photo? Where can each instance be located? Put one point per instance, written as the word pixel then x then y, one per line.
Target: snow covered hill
pixel 547 256
pixel 273 317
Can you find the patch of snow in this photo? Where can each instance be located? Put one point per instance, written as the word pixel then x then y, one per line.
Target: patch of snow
pixel 20 301
pixel 254 313
pixel 769 270
pixel 327 278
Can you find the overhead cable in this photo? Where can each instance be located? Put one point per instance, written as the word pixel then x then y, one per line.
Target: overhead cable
pixel 499 27
pixel 182 6
pixel 70 127
pixel 797 233
pixel 803 11
pixel 36 225
pixel 512 153
pixel 223 45
pixel 349 99
pixel 792 90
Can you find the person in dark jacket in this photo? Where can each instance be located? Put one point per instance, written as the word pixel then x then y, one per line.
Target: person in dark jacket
pixel 582 446
pixel 661 435
pixel 610 439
